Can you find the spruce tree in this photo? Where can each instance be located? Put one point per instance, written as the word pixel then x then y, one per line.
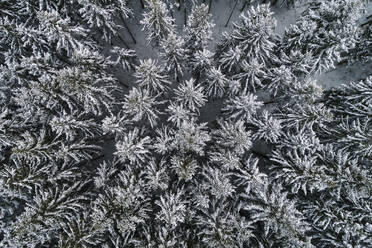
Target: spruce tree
pixel 198 31
pixel 157 22
pixel 327 29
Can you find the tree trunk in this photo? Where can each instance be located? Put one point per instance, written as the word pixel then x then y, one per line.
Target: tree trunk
pixel 209 8
pixel 142 4
pixel 232 11
pixel 185 14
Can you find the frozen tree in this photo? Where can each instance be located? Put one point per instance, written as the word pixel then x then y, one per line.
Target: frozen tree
pixel 178 113
pixel 218 184
pixel 156 176
pixel 215 83
pixel 222 228
pixel 299 63
pixel 121 208
pixel 230 59
pixel 350 104
pixel 20 40
pixel 151 76
pixel 325 30
pixel 363 49
pixel 281 79
pixel 157 22
pixel 268 128
pixel 248 177
pixel 174 55
pixel 281 222
pixel 191 137
pixel 59 31
pixel 124 57
pixel 201 62
pixel 190 95
pixel 132 147
pixel 233 136
pixel 172 209
pixel 198 31
pixel 353 99
pixel 185 167
pixel 251 75
pixel 99 17
pixel 51 207
pixel 311 115
pixel 164 140
pixel 253 37
pixel 139 106
pixel 242 107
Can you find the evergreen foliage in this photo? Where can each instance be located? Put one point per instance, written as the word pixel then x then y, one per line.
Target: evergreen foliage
pixel 190 145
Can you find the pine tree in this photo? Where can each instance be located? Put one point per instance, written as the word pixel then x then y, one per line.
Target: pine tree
pixel 151 76
pixel 282 223
pixel 84 163
pixel 157 22
pixel 242 107
pixel 362 50
pixel 198 31
pixel 326 30
pixel 174 55
pixel 140 105
pixel 350 104
pixel 190 95
pixel 215 83
pixel 201 62
pixel 253 37
pixel 101 17
pixel 132 147
pixel 125 57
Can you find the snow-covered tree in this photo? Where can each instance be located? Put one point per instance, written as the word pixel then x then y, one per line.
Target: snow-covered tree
pixel 201 62
pixel 141 105
pixel 87 161
pixel 174 55
pixel 326 30
pixel 132 147
pixel 126 58
pixel 151 76
pixel 198 31
pixel 190 95
pixel 252 38
pixel 157 22
pixel 242 107
pixel 351 105
pixel 215 83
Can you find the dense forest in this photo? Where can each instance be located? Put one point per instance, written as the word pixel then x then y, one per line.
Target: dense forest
pixel 139 123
